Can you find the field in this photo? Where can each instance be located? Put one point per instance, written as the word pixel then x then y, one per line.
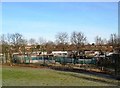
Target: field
pixel 26 76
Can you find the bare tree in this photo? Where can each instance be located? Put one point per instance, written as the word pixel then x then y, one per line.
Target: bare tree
pixel 4 45
pixel 23 43
pixel 78 39
pixel 16 42
pixel 98 40
pixel 41 41
pixel 16 39
pixel 3 39
pixel 105 41
pixel 41 44
pixel 32 41
pixel 50 46
pixel 114 40
pixel 61 39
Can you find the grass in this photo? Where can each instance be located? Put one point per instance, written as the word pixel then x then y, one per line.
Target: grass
pixel 26 76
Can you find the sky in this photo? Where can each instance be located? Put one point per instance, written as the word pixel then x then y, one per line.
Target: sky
pixel 46 19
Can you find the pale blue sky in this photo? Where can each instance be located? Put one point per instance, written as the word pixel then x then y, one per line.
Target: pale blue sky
pixel 39 19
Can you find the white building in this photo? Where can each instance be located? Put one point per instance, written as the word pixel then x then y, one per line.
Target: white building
pixel 60 53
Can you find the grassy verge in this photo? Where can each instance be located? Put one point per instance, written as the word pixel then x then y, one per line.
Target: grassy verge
pixel 26 76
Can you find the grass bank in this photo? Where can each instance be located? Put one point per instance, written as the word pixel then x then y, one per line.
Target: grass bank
pixel 26 76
